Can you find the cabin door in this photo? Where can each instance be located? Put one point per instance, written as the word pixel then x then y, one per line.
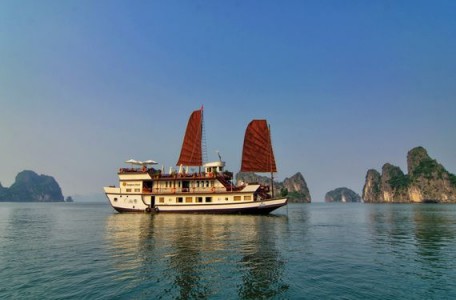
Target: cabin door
pixel 147 186
pixel 185 186
pixel 152 201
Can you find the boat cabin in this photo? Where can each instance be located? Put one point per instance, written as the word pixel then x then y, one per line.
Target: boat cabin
pixel 214 167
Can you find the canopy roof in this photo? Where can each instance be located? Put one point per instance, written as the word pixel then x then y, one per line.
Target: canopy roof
pixel 134 162
pixel 141 163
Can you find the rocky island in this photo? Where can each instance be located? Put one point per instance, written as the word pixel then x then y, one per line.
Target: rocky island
pixel 295 187
pixel 31 187
pixel 342 194
pixel 426 181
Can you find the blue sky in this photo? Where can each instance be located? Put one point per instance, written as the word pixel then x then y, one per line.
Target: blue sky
pixel 346 85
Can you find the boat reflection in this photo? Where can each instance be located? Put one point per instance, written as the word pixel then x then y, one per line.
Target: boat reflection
pixel 126 235
pixel 262 266
pixel 199 256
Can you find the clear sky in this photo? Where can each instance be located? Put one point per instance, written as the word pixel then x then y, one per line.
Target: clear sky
pixel 346 85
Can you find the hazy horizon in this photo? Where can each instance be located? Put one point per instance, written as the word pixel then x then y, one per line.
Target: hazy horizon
pixel 346 86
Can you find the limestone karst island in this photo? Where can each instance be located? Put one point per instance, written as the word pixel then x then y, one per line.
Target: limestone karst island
pixel 343 195
pixel 31 187
pixel 294 187
pixel 426 181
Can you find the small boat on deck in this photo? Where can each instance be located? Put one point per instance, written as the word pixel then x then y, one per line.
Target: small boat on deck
pixel 209 189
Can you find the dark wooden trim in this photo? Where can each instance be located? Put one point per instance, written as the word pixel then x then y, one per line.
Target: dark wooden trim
pixel 128 210
pixel 247 211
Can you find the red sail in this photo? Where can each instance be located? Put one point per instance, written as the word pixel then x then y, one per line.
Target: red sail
pixel 257 155
pixel 191 152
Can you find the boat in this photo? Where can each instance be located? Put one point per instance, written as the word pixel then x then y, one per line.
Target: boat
pixel 209 188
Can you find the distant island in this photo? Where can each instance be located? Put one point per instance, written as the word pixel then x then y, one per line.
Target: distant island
pixel 342 194
pixel 426 181
pixel 295 187
pixel 31 187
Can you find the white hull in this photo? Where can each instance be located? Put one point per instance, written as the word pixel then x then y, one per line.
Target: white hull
pixel 222 203
pixel 264 206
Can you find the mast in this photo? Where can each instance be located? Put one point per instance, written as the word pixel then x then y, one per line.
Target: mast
pixel 203 137
pixel 270 160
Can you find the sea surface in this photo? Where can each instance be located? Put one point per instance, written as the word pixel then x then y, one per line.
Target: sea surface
pixel 303 251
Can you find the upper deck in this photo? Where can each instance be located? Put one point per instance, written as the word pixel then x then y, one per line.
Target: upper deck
pixel 152 181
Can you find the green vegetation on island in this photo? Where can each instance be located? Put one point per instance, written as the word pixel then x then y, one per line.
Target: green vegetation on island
pixel 426 181
pixel 294 188
pixel 343 195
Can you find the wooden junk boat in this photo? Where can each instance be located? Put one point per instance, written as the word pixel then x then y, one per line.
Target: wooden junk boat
pixel 208 190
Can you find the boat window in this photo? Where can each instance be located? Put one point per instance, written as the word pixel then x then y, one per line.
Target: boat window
pixel 128 190
pixel 237 198
pixel 207 183
pixel 199 199
pixel 248 198
pixel 180 199
pixel 115 199
pixel 148 184
pixel 188 199
pixel 161 199
pixel 137 190
pixel 208 199
pixel 166 183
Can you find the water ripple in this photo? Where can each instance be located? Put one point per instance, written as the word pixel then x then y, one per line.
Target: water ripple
pixel 318 251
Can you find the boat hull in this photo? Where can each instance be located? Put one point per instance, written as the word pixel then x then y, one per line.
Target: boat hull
pixel 254 207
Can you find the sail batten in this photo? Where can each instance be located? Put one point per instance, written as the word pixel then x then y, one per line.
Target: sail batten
pixel 257 153
pixel 191 151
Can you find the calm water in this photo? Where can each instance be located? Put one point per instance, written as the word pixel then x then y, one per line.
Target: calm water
pixel 308 251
